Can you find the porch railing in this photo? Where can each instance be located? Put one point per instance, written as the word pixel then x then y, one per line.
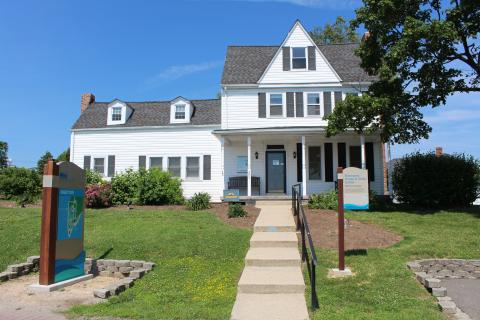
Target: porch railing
pixel 302 226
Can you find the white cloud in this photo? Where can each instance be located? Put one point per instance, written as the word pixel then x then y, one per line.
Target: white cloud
pixel 339 4
pixel 453 116
pixel 179 71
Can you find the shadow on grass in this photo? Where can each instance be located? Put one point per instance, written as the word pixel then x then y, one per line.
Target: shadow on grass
pixel 356 252
pixel 473 210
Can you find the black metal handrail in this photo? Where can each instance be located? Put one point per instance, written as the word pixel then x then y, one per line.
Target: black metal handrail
pixel 302 226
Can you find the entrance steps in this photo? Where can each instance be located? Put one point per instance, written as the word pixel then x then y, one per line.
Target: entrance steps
pixel 272 285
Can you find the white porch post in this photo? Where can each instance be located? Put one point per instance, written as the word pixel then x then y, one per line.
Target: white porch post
pixel 222 161
pixel 362 151
pixel 304 169
pixel 249 171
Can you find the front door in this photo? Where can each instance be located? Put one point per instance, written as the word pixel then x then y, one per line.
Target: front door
pixel 276 174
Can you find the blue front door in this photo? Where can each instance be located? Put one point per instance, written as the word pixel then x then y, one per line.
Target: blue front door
pixel 275 168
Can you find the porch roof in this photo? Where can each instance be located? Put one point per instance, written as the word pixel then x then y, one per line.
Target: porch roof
pixel 272 130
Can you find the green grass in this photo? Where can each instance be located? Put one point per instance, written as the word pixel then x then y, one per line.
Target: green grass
pixel 199 259
pixel 383 287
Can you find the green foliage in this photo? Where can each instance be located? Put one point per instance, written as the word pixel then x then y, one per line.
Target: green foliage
pixel 43 161
pixel 125 187
pixel 157 187
pixel 199 201
pixel 235 210
pixel 429 181
pixel 325 200
pixel 21 184
pixel 92 177
pixel 64 156
pixel 338 32
pixel 3 154
pixel 98 195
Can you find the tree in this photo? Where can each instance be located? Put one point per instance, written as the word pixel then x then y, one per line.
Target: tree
pixel 338 32
pixel 64 156
pixel 422 51
pixel 42 161
pixel 3 154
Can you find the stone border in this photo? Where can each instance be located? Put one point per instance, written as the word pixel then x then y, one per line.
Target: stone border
pixel 17 270
pixel 429 273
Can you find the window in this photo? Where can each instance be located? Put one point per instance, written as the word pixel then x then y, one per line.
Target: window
pixel 156 162
pixel 99 165
pixel 276 104
pixel 313 104
pixel 179 111
pixel 242 164
pixel 299 58
pixel 314 163
pixel 174 166
pixel 193 167
pixel 117 114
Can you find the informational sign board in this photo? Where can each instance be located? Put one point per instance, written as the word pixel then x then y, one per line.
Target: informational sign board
pixel 355 189
pixel 231 195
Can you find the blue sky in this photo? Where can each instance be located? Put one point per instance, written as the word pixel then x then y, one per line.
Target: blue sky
pixel 53 51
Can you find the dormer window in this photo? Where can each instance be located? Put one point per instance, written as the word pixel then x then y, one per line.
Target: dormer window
pixel 117 114
pixel 180 112
pixel 299 58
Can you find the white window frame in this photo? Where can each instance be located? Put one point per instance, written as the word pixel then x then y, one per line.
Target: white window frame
pixel 123 116
pixel 320 104
pixel 105 164
pixel 181 176
pixel 149 161
pixel 173 109
pixel 199 167
pixel 177 106
pixel 291 59
pixel 283 94
pixel 114 113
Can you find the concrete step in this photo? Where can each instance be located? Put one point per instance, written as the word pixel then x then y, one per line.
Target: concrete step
pixel 274 239
pixel 270 306
pixel 274 221
pixel 271 280
pixel 273 257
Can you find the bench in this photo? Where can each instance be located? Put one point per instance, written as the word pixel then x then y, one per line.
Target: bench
pixel 241 183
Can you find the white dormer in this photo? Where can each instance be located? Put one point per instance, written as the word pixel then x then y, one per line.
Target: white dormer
pixel 118 112
pixel 181 110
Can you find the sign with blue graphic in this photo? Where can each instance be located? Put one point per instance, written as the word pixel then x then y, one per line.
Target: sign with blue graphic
pixel 355 189
pixel 231 195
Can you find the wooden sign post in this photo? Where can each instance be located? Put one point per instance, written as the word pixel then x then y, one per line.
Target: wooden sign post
pixel 341 222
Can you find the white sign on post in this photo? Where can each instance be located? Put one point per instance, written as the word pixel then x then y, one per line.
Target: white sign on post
pixel 355 189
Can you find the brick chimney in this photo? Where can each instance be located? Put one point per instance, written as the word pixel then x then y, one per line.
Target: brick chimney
pixel 438 151
pixel 87 99
pixel 366 35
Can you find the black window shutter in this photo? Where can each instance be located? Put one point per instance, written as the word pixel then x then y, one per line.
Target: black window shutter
pixel 286 58
pixel 299 103
pixel 86 162
pixel 299 162
pixel 342 154
pixel 355 157
pixel 207 167
pixel 311 59
pixel 370 161
pixel 327 103
pixel 262 105
pixel 328 162
pixel 142 162
pixel 290 105
pixel 338 97
pixel 111 166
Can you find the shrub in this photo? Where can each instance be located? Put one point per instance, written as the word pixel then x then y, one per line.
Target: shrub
pixel 125 187
pixel 326 200
pixel 430 181
pixel 20 184
pixel 157 187
pixel 92 177
pixel 98 195
pixel 235 210
pixel 199 201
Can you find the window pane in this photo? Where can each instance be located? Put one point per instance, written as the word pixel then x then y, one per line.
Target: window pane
pixel 156 162
pixel 174 166
pixel 99 165
pixel 276 98
pixel 180 111
pixel 298 52
pixel 313 98
pixel 276 110
pixel 299 63
pixel 116 114
pixel 193 167
pixel 314 163
pixel 314 110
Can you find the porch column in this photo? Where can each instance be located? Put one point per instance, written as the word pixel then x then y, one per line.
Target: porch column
pixel 362 151
pixel 304 169
pixel 222 160
pixel 249 171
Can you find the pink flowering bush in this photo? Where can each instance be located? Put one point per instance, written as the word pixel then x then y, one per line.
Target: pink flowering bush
pixel 98 195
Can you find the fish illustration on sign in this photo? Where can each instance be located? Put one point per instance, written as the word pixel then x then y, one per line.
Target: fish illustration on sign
pixel 74 214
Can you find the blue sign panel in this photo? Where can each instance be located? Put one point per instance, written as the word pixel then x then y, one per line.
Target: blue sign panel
pixel 231 195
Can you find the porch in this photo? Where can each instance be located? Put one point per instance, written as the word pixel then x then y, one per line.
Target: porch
pixel 264 163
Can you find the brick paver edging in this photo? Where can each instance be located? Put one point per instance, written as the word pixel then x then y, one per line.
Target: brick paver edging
pixel 17 270
pixel 429 273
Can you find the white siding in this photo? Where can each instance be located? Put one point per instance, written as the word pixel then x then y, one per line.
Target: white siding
pixel 275 74
pixel 127 145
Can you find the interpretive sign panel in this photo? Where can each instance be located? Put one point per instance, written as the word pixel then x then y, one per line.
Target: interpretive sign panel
pixel 355 188
pixel 231 195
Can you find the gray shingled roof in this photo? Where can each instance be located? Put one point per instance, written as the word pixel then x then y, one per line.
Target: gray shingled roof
pixel 154 113
pixel 246 64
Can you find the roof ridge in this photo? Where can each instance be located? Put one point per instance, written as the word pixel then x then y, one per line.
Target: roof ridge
pixel 160 101
pixel 335 44
pixel 254 45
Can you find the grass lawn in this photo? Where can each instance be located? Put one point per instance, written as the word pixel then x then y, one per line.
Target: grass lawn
pixel 383 287
pixel 199 259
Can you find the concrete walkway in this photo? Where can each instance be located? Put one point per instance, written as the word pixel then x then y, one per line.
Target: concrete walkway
pixel 272 285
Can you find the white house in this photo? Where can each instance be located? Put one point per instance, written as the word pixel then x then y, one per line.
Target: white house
pixel 264 135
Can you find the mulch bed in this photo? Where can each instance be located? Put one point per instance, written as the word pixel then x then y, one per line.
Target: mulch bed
pixel 358 235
